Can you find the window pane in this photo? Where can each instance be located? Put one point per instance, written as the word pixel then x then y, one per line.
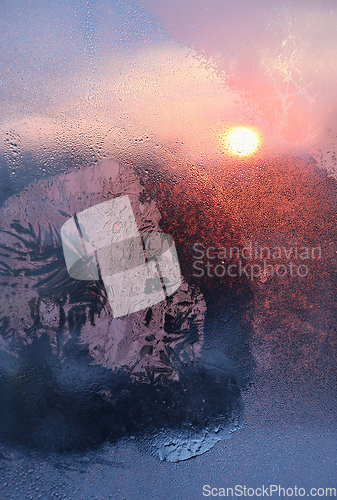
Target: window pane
pixel 168 247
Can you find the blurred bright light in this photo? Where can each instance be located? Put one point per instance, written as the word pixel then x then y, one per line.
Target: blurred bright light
pixel 241 141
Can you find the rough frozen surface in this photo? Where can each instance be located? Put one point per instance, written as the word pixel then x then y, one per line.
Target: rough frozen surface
pixel 35 288
pixel 106 427
pixel 73 375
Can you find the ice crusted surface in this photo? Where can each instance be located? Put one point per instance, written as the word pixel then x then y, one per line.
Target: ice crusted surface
pixel 174 448
pixel 72 375
pixel 38 297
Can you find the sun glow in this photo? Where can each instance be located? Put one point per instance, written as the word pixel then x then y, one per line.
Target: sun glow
pixel 241 141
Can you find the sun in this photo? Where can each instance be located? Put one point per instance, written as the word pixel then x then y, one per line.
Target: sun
pixel 241 141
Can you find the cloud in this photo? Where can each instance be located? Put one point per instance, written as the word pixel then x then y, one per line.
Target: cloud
pixel 164 101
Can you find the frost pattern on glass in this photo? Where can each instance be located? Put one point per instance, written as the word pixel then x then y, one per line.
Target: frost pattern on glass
pixel 41 284
pixel 154 377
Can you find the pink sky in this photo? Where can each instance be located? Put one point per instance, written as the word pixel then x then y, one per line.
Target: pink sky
pixel 281 54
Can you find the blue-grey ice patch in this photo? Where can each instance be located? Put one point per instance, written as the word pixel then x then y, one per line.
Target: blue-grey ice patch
pixel 176 447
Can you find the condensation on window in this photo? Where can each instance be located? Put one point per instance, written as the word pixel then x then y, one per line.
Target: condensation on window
pixel 216 121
